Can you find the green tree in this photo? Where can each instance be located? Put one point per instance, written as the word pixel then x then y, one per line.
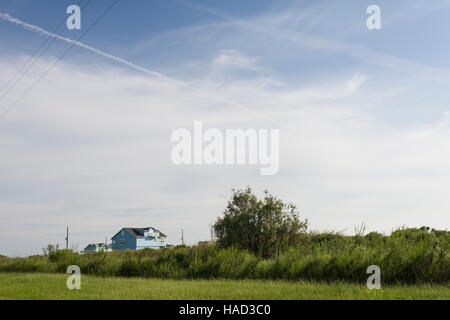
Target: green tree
pixel 262 226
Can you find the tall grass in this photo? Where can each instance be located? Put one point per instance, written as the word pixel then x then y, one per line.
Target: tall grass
pixel 406 256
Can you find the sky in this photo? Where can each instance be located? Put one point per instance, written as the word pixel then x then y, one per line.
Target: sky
pixel 364 115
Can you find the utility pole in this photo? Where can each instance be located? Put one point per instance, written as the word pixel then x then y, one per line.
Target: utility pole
pixel 182 237
pixel 67 238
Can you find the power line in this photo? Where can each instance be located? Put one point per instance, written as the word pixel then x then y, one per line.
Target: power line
pixel 36 52
pixel 57 61
pixel 10 84
pixel 33 56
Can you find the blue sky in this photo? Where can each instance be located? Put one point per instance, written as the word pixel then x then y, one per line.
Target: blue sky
pixel 363 115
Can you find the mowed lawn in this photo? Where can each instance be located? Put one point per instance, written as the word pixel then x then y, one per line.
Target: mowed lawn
pixel 53 286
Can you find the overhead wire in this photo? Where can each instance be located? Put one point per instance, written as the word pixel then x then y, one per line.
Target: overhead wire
pixel 33 60
pixel 6 111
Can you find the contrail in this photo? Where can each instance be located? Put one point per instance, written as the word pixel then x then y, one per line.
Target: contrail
pixel 8 18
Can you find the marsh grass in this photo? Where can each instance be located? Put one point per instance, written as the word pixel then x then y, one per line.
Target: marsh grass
pixel 409 256
pixel 53 286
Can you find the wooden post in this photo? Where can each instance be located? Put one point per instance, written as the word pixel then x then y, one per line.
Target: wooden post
pixel 67 238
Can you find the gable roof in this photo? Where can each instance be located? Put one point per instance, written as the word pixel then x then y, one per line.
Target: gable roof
pixel 134 233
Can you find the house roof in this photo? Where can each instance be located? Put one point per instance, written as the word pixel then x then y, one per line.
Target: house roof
pixel 94 246
pixel 133 232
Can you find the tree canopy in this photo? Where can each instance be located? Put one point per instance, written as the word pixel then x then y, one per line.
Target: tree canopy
pixel 262 226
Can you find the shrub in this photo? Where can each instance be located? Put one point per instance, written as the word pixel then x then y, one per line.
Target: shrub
pixel 262 226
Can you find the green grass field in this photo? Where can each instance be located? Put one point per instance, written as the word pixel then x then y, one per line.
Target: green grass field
pixel 53 286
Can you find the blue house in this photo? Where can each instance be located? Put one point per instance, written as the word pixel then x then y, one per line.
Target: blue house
pixel 138 238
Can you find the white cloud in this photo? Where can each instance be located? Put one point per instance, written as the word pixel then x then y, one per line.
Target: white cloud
pixel 357 80
pixel 234 59
pixel 89 146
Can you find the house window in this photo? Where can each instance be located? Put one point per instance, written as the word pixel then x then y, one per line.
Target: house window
pixel 162 240
pixel 122 241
